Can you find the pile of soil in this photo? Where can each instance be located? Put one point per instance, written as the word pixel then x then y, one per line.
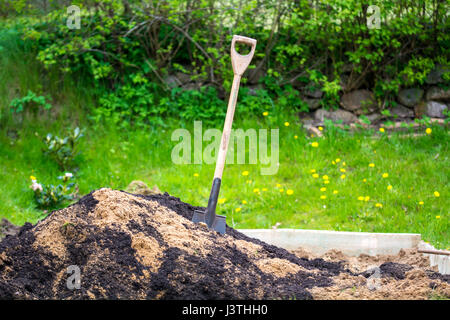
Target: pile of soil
pixel 145 247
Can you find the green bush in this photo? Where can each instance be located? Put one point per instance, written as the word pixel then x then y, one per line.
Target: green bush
pixel 63 150
pixel 50 196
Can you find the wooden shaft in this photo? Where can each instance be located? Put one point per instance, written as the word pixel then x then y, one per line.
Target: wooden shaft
pixel 447 253
pixel 227 128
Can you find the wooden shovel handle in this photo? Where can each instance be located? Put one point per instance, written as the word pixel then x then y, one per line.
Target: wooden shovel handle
pixel 240 62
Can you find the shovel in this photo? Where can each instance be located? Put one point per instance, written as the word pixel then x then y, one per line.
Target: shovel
pixel 240 64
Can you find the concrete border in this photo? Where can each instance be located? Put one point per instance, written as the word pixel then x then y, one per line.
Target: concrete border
pixel 350 243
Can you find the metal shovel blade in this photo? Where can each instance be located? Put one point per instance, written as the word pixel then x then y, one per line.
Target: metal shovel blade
pixel 218 224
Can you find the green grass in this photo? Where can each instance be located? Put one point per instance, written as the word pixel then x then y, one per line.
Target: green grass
pixel 416 167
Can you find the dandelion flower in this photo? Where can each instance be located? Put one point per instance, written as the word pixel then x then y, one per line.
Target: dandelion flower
pixel 222 200
pixel 312 170
pixel 379 205
pixel 323 189
pixel 438 217
pixel 381 129
pixel 436 194
pixel 289 192
pixel 421 203
pixel 265 113
pixel 343 177
pixel 326 181
pixel 371 165
pixel 361 198
pixel 389 187
pixel 256 190
pixel 286 124
pixel 366 198
pixel 33 178
pixel 344 164
pixel 244 202
pixel 428 131
pixel 332 162
pixel 338 160
pixel 314 144
pixel 364 180
pixel 323 197
pixel 237 210
pixel 325 177
pixel 315 175
pixel 281 190
pixel 385 175
pixel 264 189
pixel 195 174
pixel 335 192
pixel 320 128
pixel 342 170
pixel 295 137
pixel 245 173
pixel 278 185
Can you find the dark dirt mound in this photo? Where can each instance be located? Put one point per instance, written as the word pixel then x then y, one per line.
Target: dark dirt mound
pixel 7 228
pixel 145 247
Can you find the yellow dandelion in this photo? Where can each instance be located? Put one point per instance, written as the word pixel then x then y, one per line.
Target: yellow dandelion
pixel 315 175
pixel 222 200
pixel 323 189
pixel 325 177
pixel 378 205
pixel 244 202
pixel 320 128
pixel 314 144
pixel 381 129
pixel 361 198
pixel 364 180
pixel 33 178
pixel 237 210
pixel 428 131
pixel 195 174
pixel 323 197
pixel 286 124
pixel 265 113
pixel 338 160
pixel 332 162
pixel 335 192
pixel 313 171
pixel 421 203
pixel 295 137
pixel 366 198
pixel 256 190
pixel 326 181
pixel 343 177
pixel 344 164
pixel 385 175
pixel 278 185
pixel 371 165
pixel 389 187
pixel 289 192
pixel 264 189
pixel 436 194
pixel 281 190
pixel 342 170
pixel 438 217
pixel 245 173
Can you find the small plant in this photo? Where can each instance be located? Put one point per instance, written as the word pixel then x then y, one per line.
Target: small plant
pixel 31 100
pixel 63 150
pixel 50 196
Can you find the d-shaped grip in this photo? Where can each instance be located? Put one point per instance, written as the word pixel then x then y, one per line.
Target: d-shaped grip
pixel 240 62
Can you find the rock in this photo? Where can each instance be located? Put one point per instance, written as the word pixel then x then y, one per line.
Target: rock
pixel 435 109
pixel 410 97
pixel 191 86
pixel 183 77
pixel 313 104
pixel 316 94
pixel 436 93
pixel 359 102
pixel 435 75
pixel 346 116
pixel 374 117
pixel 420 109
pixel 172 81
pixel 139 187
pixel 402 111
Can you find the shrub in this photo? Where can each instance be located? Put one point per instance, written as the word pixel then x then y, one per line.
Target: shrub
pixel 63 150
pixel 50 196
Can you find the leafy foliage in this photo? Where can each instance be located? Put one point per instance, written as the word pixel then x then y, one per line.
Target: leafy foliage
pixel 30 101
pixel 50 196
pixel 63 150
